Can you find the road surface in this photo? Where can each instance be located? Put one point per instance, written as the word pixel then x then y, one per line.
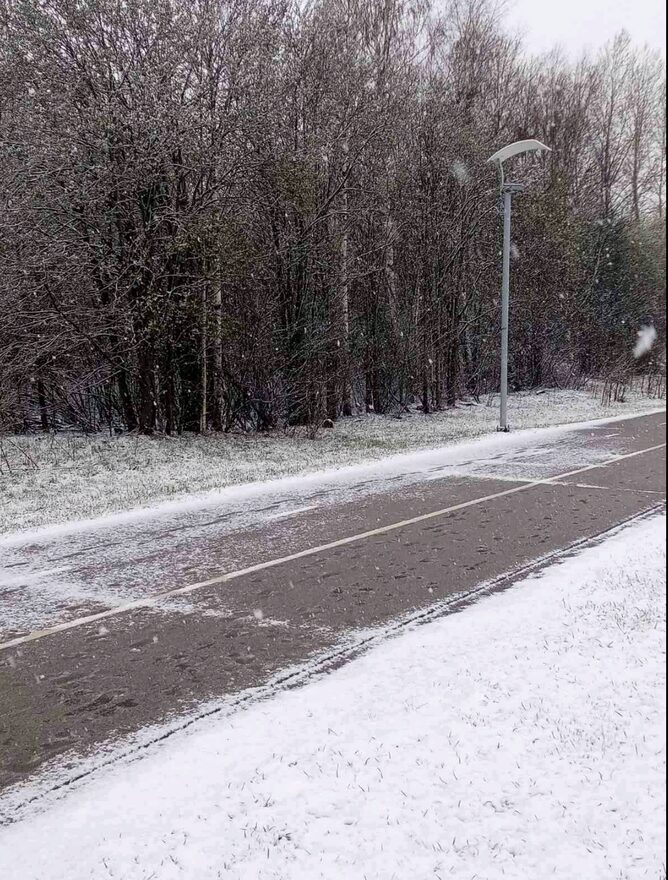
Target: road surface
pixel 106 630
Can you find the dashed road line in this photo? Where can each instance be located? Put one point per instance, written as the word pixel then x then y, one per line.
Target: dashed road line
pixel 614 488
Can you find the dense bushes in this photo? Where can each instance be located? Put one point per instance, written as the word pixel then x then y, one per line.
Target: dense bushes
pixel 224 215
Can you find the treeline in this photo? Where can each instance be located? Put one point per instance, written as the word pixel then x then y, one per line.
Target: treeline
pixel 246 214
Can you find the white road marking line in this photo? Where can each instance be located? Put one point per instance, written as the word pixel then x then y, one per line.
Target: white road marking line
pixel 11 809
pixel 10 577
pixel 284 514
pixel 613 488
pixel 149 601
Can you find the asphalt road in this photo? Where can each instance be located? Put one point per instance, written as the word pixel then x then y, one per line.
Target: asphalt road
pixel 139 623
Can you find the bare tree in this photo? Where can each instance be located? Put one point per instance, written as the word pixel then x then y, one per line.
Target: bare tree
pixel 247 215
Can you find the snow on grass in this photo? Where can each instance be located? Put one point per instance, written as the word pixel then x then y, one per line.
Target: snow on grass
pixel 522 738
pixel 63 478
pixel 194 536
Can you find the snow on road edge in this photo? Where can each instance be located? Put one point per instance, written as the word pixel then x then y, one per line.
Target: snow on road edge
pixel 51 522
pixel 523 738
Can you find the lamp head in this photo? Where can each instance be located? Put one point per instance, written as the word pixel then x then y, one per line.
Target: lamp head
pixel 528 146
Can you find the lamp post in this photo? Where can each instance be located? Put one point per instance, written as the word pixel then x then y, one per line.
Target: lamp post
pixel 507 191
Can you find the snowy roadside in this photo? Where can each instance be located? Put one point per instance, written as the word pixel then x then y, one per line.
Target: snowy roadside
pixel 521 738
pixel 63 478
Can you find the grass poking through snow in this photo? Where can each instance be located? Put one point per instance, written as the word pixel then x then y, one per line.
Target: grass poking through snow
pixel 59 478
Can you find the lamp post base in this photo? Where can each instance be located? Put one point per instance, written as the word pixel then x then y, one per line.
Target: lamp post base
pixel 501 430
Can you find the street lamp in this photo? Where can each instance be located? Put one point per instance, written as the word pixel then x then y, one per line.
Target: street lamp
pixel 507 191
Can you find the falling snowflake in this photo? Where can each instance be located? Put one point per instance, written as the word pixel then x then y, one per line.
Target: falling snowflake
pixel 645 341
pixel 258 614
pixel 460 172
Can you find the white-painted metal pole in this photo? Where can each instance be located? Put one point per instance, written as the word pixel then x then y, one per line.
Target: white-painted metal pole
pixel 505 308
pixel 507 190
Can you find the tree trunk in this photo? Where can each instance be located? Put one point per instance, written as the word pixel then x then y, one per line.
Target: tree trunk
pixel 344 305
pixel 203 415
pixel 127 406
pixel 218 378
pixel 146 392
pixel 41 400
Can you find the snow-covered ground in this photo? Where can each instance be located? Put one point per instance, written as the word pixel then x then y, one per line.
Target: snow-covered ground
pixel 48 574
pixel 67 477
pixel 523 738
